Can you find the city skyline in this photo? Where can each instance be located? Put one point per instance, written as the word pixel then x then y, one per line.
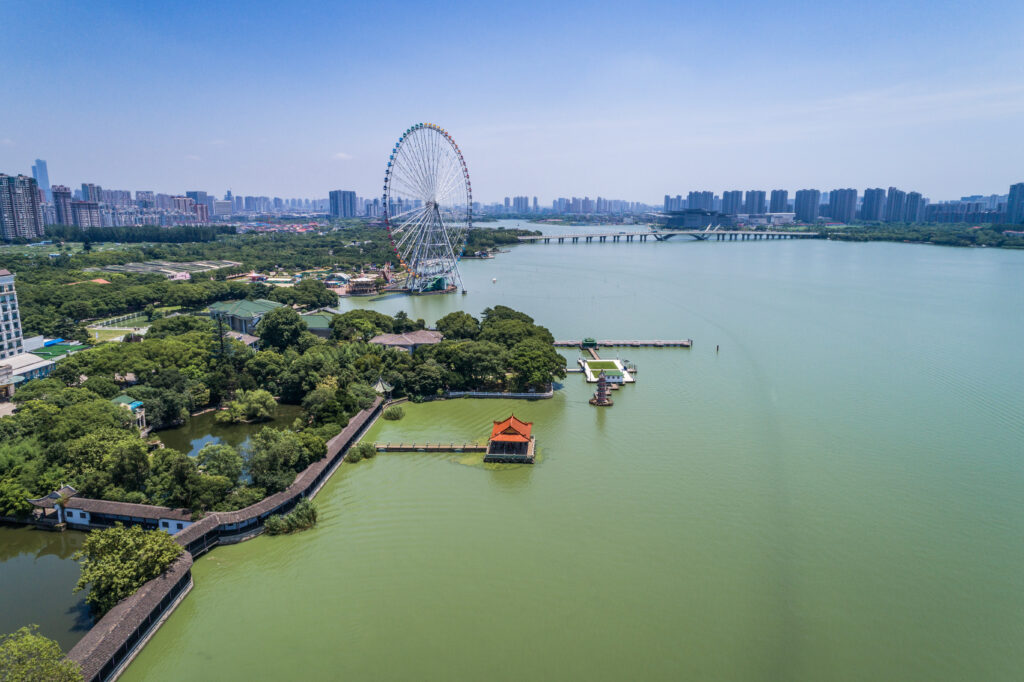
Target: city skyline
pixel 828 99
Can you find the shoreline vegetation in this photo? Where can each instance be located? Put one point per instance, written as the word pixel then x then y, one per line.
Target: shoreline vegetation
pixel 303 517
pixel 67 429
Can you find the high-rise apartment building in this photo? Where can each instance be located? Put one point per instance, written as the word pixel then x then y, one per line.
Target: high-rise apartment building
pixel 21 212
pixel 10 318
pixel 914 209
pixel 91 192
pixel 755 203
pixel 62 204
pixel 779 201
pixel 842 205
pixel 732 201
pixel 1015 204
pixel 520 204
pixel 701 200
pixel 343 203
pixel 873 206
pixel 85 214
pixel 806 205
pixel 42 177
pixel 895 205
pixel 536 208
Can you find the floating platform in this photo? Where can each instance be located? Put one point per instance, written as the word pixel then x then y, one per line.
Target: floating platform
pixel 681 343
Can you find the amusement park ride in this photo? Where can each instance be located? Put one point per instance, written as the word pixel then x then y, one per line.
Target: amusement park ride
pixel 428 209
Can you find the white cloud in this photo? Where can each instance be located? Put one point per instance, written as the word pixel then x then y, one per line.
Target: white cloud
pixel 342 156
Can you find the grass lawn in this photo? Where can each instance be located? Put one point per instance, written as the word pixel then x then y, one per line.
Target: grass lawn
pixel 601 364
pixel 105 334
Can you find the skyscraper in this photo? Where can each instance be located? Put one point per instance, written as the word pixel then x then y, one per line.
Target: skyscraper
pixel 21 213
pixel 779 201
pixel 731 201
pixel 62 204
pixel 10 318
pixel 343 203
pixel 842 205
pixel 806 205
pixel 42 177
pixel 1015 204
pixel 873 206
pixel 895 205
pixel 755 202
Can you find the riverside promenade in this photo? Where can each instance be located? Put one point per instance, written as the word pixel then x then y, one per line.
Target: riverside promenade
pixel 112 643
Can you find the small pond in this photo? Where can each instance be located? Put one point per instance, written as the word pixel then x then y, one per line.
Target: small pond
pixel 204 429
pixel 37 575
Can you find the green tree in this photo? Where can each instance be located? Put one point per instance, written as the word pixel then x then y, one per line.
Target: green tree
pixel 535 364
pixel 503 312
pixel 458 325
pixel 277 454
pixel 117 561
pixel 27 656
pixel 13 498
pixel 178 325
pixel 360 324
pixel 251 406
pixel 427 379
pixel 280 329
pixel 218 459
pixel 174 479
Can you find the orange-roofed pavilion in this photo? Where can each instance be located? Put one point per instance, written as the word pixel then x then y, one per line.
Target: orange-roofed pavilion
pixel 511 430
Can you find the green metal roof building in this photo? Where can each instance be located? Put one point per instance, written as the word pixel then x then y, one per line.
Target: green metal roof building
pixel 242 316
pixel 319 323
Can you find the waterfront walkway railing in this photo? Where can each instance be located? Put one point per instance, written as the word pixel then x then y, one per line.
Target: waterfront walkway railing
pixel 115 639
pixel 537 395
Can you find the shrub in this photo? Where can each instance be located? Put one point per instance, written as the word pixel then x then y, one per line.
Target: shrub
pixel 393 413
pixel 302 517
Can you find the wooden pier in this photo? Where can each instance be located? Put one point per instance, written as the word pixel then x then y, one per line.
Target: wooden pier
pixel 681 343
pixel 430 447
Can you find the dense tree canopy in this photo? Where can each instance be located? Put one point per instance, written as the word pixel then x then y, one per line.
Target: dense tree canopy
pixel 27 656
pixel 119 560
pixel 66 430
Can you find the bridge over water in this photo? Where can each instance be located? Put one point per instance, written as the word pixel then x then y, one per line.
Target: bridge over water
pixel 665 235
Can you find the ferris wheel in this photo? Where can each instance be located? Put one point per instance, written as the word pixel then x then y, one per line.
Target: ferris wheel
pixel 428 207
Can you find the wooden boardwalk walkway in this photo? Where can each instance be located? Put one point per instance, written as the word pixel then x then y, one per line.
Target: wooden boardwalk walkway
pixel 430 447
pixel 681 343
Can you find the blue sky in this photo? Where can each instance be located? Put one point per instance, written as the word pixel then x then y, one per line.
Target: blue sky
pixel 623 100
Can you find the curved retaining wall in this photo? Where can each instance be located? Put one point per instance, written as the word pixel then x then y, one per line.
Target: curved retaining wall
pixel 114 640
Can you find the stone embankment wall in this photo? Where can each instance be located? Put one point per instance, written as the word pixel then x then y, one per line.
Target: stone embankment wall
pixel 115 639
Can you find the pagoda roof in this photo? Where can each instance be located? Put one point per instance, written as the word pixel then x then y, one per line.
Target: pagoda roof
pixel 511 430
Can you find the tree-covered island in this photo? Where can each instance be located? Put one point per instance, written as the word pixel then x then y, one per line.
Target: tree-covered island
pixel 68 430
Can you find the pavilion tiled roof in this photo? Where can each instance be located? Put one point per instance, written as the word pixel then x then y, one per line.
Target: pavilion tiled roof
pixel 140 511
pixel 511 430
pixel 419 337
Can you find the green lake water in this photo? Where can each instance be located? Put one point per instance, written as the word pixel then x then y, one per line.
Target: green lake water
pixel 204 429
pixel 37 575
pixel 834 495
